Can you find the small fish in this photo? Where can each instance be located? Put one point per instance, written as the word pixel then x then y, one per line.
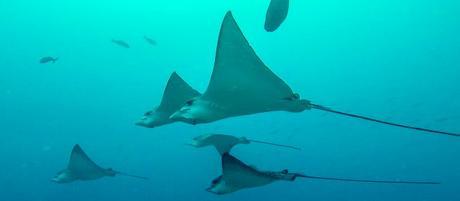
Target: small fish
pixel 120 43
pixel 45 60
pixel 150 41
pixel 276 14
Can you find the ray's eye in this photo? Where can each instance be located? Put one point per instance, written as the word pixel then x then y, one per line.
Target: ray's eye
pixel 148 113
pixel 189 102
pixel 284 172
pixel 296 96
pixel 216 180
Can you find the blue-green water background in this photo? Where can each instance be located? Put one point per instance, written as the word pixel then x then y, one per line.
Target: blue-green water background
pixel 394 59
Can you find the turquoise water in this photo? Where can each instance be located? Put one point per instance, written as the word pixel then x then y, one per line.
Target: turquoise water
pixel 397 60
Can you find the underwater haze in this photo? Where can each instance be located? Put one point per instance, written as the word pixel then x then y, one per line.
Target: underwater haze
pixel 394 59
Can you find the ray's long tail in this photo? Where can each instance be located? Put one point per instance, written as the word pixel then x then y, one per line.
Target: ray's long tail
pixel 319 107
pixel 133 176
pixel 368 181
pixel 274 144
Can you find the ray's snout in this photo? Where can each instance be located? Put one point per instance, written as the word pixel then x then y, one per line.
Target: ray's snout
pixel 211 190
pixel 145 122
pixel 61 178
pixel 140 123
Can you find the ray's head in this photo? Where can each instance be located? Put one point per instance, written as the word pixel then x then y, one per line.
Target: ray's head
pixel 195 111
pixel 64 176
pixel 220 187
pixel 152 119
pixel 200 141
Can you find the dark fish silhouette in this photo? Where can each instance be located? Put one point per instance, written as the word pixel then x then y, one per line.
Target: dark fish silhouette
pixel 45 60
pixel 150 41
pixel 276 14
pixel 121 43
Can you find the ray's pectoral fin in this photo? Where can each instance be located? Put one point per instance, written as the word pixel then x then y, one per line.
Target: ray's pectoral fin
pixel 80 162
pixel 240 80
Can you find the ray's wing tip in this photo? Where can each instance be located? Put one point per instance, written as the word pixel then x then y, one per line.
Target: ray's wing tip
pixel 76 147
pixel 229 14
pixel 229 17
pixel 174 76
pixel 78 150
pixel 174 73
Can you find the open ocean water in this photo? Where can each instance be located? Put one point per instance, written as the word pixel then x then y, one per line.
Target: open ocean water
pixel 398 60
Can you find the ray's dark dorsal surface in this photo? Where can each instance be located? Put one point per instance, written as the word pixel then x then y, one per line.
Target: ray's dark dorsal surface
pixel 236 176
pixel 81 167
pixel 241 84
pixel 45 60
pixel 224 143
pixel 120 43
pixel 276 14
pixel 177 92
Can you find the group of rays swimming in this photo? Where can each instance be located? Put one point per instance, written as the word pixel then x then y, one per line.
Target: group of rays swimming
pixel 241 84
